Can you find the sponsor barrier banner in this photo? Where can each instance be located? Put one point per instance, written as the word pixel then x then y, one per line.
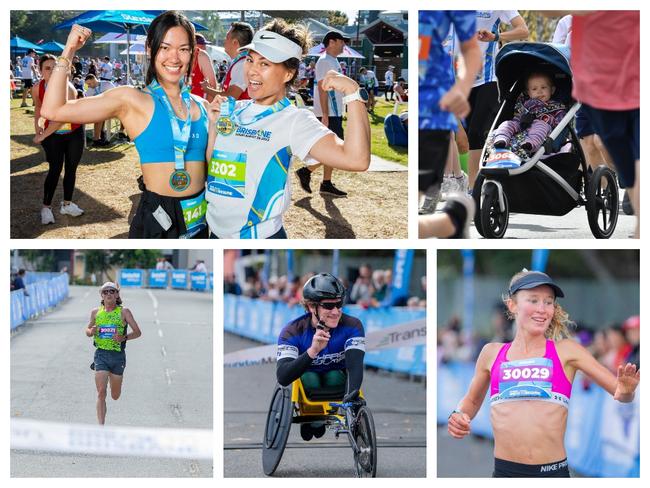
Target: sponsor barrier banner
pixel 395 336
pixel 36 435
pixel 198 281
pixel 603 435
pixel 37 298
pixel 158 278
pixel 131 278
pixel 179 279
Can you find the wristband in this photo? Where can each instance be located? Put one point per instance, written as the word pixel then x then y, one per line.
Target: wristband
pixel 64 59
pixel 455 411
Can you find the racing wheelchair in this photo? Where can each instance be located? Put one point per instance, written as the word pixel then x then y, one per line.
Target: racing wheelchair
pixel 294 405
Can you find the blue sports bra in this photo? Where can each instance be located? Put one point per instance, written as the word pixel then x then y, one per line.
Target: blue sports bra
pixel 156 143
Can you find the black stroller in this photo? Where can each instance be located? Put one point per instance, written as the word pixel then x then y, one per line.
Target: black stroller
pixel 555 179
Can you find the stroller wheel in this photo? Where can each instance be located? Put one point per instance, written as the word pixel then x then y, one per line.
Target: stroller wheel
pixel 494 222
pixel 602 202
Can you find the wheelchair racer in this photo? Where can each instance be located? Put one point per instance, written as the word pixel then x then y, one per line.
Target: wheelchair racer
pixel 323 347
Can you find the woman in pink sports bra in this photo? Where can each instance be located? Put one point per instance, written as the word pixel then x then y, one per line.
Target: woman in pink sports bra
pixel 530 382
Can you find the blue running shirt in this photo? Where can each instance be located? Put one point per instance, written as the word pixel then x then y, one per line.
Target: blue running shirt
pixel 435 71
pixel 297 335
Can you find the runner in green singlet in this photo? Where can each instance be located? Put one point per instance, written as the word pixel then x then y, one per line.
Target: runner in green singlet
pixel 108 328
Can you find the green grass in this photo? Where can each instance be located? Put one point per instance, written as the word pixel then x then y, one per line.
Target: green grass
pixel 379 145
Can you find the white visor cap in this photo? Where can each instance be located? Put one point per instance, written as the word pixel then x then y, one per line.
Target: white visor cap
pixel 273 47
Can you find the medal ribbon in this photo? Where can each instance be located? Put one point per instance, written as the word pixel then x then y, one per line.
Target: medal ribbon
pixel 180 130
pixel 276 107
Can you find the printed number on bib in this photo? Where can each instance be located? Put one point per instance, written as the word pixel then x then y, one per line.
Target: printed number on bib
pixel 526 374
pixel 227 174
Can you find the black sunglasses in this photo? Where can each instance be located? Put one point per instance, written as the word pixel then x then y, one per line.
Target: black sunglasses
pixel 109 292
pixel 332 305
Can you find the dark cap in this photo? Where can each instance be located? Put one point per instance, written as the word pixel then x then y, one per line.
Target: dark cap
pixel 200 39
pixel 534 279
pixel 333 35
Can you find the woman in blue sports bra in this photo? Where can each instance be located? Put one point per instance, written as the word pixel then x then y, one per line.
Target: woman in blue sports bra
pixel 168 125
pixel 530 383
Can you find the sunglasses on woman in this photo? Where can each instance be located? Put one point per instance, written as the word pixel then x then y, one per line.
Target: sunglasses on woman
pixel 109 292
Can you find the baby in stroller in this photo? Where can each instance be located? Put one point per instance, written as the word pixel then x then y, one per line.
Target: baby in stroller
pixel 536 115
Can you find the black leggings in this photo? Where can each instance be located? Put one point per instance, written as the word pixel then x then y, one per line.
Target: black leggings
pixel 62 149
pixel 432 157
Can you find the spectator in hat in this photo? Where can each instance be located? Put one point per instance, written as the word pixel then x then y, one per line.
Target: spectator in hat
pixel 328 107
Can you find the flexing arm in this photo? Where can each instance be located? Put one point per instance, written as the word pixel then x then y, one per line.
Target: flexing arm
pixel 58 107
pixel 458 423
pixel 353 154
pixel 621 387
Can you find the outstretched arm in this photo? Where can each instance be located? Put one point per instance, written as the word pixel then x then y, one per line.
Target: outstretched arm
pixel 621 386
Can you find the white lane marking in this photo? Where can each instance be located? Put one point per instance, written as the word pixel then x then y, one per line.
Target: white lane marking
pixel 163 351
pixel 160 334
pixel 153 299
pixel 168 375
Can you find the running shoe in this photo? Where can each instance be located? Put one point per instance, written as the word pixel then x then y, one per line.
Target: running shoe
pixel 70 209
pixel 627 205
pixel 304 175
pixel 460 209
pixel 429 202
pixel 329 188
pixel 23 105
pixel 47 217
pixel 449 185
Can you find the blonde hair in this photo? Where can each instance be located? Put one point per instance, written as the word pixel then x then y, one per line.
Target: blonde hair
pixel 560 326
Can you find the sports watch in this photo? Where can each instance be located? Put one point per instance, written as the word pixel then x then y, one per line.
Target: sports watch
pixel 361 94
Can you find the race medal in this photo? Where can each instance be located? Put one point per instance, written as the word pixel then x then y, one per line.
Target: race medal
pixel 225 126
pixel 179 180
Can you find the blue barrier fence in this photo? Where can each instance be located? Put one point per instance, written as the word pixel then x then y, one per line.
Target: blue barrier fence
pixel 603 435
pixel 41 296
pixel 263 320
pixel 177 279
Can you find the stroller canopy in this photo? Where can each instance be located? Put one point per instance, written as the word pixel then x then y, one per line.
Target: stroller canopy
pixel 516 60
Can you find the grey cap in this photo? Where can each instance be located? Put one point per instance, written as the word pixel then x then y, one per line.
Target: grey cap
pixel 534 279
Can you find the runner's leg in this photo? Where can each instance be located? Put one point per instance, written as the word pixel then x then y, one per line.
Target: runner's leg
pixel 101 380
pixel 116 385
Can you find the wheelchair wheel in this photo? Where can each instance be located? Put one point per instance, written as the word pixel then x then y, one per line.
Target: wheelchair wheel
pixel 494 222
pixel 602 202
pixel 365 459
pixel 276 431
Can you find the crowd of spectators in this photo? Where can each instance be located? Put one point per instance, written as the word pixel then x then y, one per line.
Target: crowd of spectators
pixel 370 289
pixel 611 344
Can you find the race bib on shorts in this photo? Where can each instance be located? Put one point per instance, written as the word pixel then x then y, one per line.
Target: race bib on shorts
pixel 227 174
pixel 194 210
